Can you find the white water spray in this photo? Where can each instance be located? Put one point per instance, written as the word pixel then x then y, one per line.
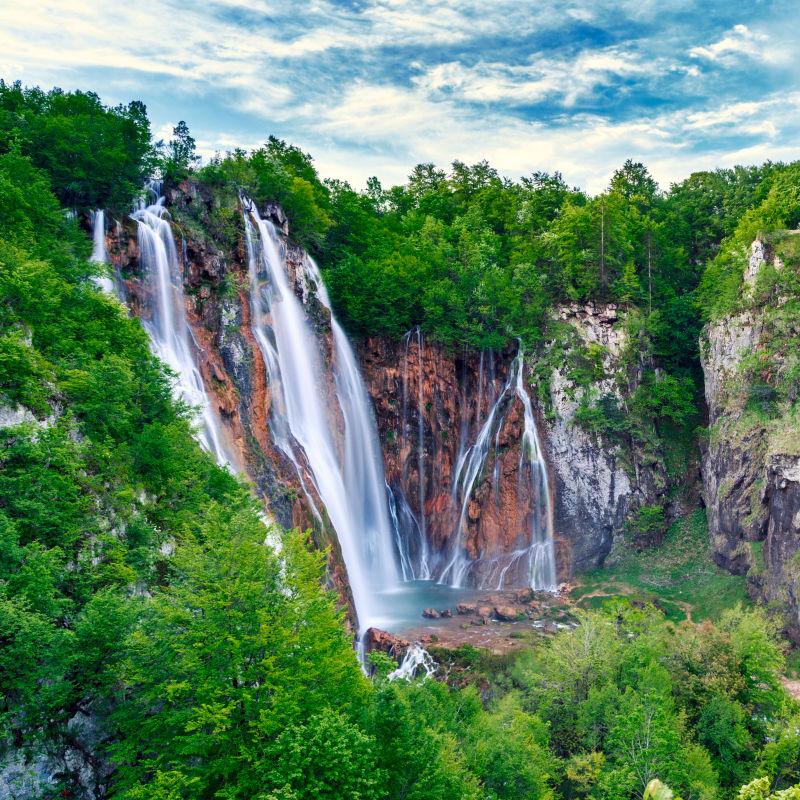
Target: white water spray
pixel 329 436
pixel 536 544
pixel 416 658
pixel 541 551
pixel 168 329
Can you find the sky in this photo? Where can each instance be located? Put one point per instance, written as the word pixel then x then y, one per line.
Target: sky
pixel 373 87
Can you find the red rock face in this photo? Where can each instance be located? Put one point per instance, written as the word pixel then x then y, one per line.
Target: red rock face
pixel 430 406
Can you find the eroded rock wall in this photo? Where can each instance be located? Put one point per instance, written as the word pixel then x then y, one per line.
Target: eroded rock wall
pixel 751 459
pixel 431 407
pixel 593 491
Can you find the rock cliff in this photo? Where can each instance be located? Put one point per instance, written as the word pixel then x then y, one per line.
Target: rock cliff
pixel 593 491
pixel 751 459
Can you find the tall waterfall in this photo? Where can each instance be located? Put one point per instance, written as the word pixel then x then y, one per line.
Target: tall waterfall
pixel 168 329
pixel 99 252
pixel 327 432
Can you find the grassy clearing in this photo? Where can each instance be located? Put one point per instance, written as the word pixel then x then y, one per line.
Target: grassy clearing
pixel 678 576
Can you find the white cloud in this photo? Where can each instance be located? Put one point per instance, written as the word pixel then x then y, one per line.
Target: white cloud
pixel 738 42
pixel 585 148
pixel 571 79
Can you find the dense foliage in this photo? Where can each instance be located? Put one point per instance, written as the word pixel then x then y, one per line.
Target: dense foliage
pixel 474 258
pixel 96 157
pixel 142 614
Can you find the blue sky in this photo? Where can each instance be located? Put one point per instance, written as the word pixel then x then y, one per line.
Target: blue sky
pixel 372 87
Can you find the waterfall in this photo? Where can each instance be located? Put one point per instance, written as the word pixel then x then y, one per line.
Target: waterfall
pixel 468 469
pixel 167 327
pixel 416 657
pixel 99 252
pixel 328 433
pixel 535 544
pixel 540 552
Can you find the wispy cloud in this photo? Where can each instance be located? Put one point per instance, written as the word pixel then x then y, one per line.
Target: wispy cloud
pixel 738 42
pixel 569 79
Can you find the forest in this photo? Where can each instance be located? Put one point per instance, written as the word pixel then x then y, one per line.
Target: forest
pixel 140 599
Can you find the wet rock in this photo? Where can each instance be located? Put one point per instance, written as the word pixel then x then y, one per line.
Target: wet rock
pixel 218 373
pixel 446 613
pixel 431 613
pixel 506 613
pixel 385 642
pixel 465 609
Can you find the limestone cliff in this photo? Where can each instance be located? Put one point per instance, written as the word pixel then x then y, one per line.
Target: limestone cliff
pixel 595 485
pixel 436 410
pixel 751 460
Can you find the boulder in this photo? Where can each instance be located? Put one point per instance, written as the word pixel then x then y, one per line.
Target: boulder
pixel 376 639
pixel 506 613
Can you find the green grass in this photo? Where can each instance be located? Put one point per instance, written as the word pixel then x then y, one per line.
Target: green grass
pixel 678 576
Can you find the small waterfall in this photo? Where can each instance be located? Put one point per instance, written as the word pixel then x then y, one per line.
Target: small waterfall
pixel 468 468
pixel 99 252
pixel 541 552
pixel 416 657
pixel 535 544
pixel 168 329
pixel 331 440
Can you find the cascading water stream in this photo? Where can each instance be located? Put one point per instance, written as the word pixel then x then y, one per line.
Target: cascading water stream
pixel 416 659
pixel 99 253
pixel 536 545
pixel 541 551
pixel 332 441
pixel 168 329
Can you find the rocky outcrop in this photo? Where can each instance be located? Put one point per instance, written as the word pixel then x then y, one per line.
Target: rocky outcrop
pixel 751 459
pixel 593 491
